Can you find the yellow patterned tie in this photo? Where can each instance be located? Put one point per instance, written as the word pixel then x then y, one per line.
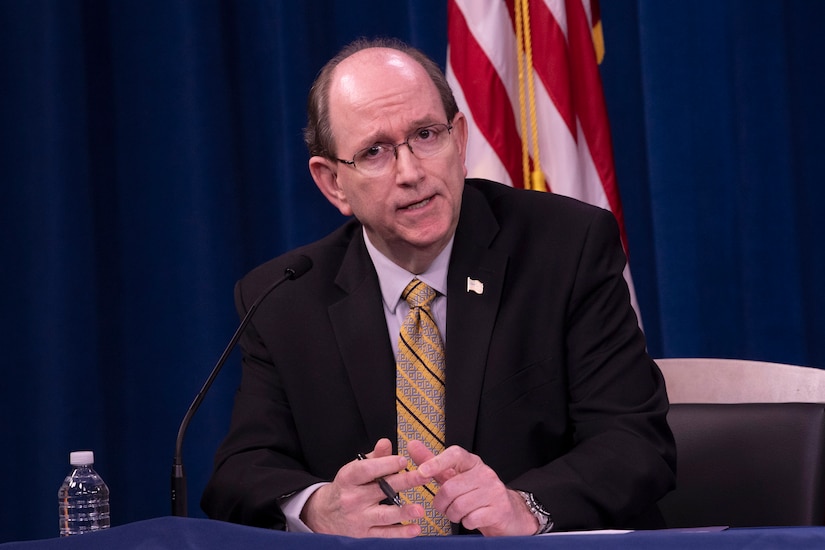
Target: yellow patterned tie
pixel 420 393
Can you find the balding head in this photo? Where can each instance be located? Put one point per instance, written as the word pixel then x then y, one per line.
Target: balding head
pixel 318 134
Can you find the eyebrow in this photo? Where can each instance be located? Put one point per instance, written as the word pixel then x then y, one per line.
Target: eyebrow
pixel 416 125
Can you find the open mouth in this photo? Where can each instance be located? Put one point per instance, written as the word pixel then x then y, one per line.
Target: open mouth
pixel 417 205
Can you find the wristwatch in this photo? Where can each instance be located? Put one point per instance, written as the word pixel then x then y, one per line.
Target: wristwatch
pixel 543 516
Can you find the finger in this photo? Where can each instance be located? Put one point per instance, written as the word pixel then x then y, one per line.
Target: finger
pixel 479 500
pixel 506 514
pixel 333 512
pixel 452 461
pixel 407 479
pixel 419 452
pixel 481 518
pixel 402 530
pixel 475 489
pixel 362 472
pixel 381 514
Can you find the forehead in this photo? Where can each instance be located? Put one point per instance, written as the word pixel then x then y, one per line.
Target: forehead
pixel 380 90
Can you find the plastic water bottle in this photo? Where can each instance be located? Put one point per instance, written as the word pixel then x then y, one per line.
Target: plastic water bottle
pixel 83 498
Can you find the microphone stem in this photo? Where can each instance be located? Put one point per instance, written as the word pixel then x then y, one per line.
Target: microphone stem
pixel 179 497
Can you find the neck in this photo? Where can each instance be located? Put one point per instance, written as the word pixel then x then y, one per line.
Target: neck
pixel 415 261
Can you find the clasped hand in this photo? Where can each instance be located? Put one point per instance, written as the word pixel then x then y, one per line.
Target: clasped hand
pixel 470 493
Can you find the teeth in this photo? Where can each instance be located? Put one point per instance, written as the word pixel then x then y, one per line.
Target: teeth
pixel 418 205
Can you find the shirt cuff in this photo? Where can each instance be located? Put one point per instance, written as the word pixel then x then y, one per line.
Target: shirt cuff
pixel 293 505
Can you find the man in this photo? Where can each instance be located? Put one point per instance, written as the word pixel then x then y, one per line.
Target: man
pixel 555 415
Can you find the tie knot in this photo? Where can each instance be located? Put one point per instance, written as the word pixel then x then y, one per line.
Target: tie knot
pixel 418 294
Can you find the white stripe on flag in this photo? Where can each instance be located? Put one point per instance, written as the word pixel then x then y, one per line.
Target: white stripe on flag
pixel 482 35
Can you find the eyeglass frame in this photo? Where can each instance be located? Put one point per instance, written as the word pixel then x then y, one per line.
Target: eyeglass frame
pixel 395 147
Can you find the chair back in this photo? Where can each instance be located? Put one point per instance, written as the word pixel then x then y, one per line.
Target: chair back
pixel 702 380
pixel 747 465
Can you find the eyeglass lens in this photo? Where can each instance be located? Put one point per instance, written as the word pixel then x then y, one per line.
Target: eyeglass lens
pixel 424 142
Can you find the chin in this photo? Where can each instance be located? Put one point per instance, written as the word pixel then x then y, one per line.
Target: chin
pixel 430 242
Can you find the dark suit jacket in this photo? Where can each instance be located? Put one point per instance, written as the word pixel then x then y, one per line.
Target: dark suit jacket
pixel 548 380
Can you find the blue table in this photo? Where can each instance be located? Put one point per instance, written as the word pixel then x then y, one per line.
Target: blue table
pixel 201 534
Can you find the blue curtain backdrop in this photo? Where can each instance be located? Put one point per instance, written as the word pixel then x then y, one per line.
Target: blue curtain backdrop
pixel 151 154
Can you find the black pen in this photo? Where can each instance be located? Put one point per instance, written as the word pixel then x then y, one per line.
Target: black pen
pixel 390 494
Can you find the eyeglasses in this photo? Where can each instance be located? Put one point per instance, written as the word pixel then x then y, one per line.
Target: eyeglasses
pixel 379 158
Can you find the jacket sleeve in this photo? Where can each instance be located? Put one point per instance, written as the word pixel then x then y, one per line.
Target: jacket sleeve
pixel 255 465
pixel 622 459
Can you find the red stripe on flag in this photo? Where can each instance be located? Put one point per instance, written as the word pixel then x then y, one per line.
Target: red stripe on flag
pixel 485 94
pixel 590 105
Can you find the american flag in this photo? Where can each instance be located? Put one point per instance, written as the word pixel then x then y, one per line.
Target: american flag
pixel 525 72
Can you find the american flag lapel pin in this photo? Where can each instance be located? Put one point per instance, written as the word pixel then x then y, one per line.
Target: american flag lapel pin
pixel 474 285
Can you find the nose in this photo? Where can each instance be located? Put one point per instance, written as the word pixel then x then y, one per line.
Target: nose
pixel 395 148
pixel 407 165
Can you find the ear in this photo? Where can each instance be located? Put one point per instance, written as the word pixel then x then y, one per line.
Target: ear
pixel 325 173
pixel 460 132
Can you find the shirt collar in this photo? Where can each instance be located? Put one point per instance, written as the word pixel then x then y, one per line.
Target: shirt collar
pixel 393 279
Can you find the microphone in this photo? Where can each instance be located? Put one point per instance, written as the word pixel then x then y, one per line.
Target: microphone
pixel 300 266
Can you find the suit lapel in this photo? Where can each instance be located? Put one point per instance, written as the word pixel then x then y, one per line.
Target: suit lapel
pixel 361 332
pixel 471 314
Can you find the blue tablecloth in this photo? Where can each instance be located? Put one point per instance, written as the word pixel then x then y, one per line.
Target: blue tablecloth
pixel 201 534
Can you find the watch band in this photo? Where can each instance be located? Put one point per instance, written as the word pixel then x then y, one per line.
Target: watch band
pixel 543 516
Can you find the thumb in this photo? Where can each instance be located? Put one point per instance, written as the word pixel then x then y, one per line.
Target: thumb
pixel 420 453
pixel 383 447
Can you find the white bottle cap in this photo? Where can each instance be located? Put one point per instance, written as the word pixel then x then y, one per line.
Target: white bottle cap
pixel 81 458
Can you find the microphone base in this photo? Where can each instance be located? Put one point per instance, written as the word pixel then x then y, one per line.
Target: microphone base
pixel 179 506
